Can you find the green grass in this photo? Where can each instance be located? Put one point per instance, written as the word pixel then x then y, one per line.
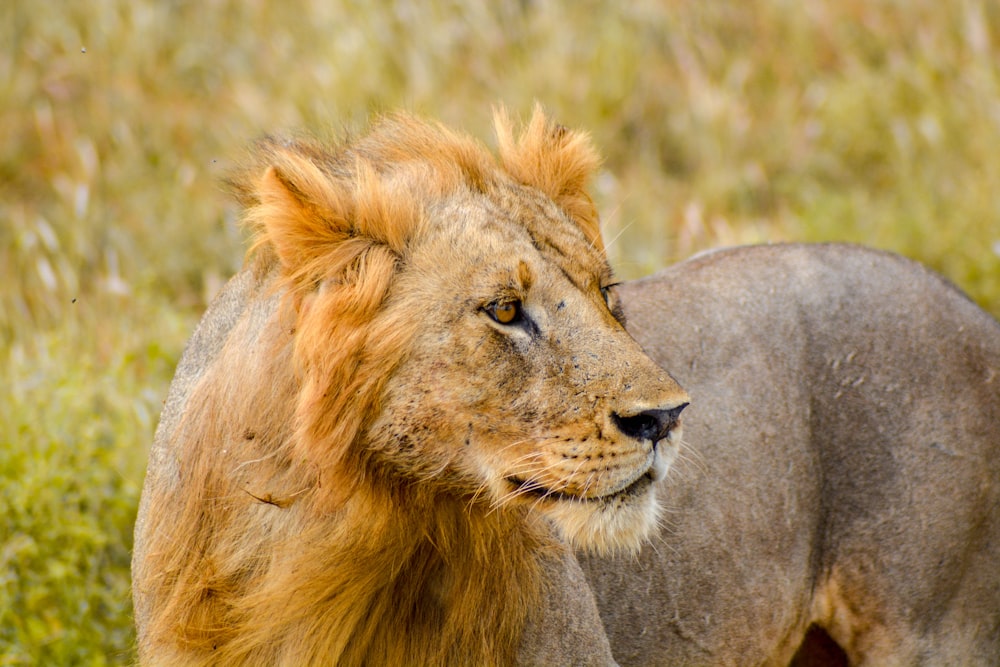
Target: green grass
pixel 722 122
pixel 73 424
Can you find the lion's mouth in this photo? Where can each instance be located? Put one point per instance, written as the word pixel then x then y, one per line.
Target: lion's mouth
pixel 537 490
pixel 656 472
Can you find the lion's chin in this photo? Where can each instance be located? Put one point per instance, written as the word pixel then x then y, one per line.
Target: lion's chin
pixel 613 524
pixel 619 521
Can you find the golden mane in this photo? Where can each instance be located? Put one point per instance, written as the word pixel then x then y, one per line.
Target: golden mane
pixel 391 564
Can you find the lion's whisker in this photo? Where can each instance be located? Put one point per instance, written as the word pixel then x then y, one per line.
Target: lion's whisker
pixel 624 228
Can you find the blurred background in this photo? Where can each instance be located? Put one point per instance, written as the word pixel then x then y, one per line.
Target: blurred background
pixel 874 121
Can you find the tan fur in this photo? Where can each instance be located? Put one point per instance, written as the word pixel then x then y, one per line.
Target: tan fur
pixel 843 476
pixel 355 477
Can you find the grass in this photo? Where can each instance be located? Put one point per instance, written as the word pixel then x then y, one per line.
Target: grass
pixel 724 122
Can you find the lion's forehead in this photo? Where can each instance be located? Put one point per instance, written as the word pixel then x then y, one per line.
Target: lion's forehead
pixel 510 225
pixel 559 239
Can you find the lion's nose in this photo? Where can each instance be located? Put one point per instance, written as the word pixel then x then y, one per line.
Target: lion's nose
pixel 649 424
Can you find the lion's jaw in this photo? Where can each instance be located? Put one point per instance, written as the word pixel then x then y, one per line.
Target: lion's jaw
pixel 608 515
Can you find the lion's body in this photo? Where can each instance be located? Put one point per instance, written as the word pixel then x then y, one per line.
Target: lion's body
pixel 391 430
pixel 845 466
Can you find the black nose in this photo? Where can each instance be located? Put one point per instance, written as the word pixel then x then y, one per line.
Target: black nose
pixel 649 424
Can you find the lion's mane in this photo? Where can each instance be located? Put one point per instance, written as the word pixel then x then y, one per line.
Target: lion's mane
pixel 280 539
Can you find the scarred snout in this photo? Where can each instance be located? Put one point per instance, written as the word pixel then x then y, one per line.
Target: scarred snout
pixel 647 403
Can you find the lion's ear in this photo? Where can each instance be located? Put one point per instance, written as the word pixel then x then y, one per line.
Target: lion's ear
pixel 299 211
pixel 558 161
pixel 318 222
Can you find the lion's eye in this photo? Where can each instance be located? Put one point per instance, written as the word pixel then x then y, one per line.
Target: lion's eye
pixel 614 305
pixel 505 312
pixel 607 294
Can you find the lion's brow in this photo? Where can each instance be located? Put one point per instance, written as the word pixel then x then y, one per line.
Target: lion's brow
pixel 564 260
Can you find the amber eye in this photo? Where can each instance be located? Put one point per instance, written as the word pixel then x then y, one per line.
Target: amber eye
pixel 505 312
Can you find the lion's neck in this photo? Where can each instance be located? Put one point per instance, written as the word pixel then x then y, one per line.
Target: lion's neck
pixel 394 578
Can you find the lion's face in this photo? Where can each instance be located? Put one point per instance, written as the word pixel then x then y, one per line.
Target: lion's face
pixel 521 386
pixel 456 326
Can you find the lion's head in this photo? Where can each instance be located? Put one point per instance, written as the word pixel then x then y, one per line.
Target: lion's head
pixel 456 322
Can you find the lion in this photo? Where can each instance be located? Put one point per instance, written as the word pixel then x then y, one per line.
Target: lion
pixel 415 429
pixel 417 396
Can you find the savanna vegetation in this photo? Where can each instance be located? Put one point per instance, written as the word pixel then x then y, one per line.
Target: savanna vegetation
pixel 875 121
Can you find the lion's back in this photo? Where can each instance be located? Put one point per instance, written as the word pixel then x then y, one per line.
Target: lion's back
pixel 202 349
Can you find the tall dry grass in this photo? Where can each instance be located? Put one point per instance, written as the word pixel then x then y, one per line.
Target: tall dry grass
pixel 874 121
